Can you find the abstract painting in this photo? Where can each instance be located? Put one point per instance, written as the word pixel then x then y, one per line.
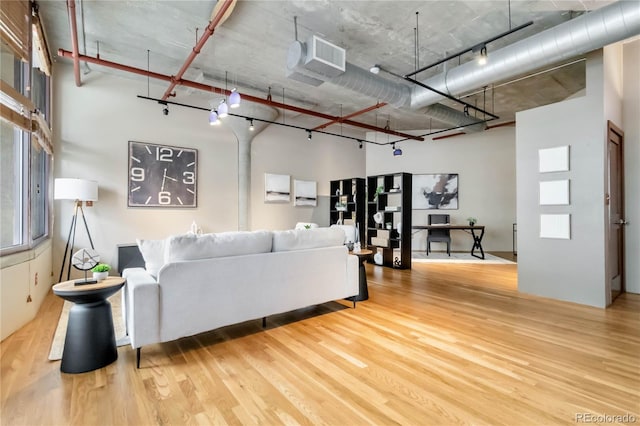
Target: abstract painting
pixel 435 192
pixel 304 193
pixel 277 188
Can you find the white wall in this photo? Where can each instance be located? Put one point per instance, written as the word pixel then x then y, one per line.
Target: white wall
pixel 22 275
pixel 91 135
pixel 485 163
pixel 573 269
pixel 631 127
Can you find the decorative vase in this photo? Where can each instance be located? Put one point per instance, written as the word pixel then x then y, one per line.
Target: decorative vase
pixel 100 276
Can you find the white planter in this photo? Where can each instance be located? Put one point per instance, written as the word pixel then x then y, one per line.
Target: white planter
pixel 100 276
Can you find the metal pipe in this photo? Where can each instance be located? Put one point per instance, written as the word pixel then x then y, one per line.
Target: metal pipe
pixel 249 98
pixel 353 114
pixel 196 49
pixel 71 9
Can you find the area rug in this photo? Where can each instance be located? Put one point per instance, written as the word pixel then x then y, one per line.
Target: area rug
pixel 57 345
pixel 456 257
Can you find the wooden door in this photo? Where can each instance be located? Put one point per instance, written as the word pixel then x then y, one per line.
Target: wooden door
pixel 616 209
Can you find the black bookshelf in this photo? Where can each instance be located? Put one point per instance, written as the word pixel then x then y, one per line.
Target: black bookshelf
pixel 350 195
pixel 393 202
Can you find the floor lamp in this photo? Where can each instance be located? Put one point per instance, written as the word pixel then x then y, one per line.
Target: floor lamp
pixel 80 191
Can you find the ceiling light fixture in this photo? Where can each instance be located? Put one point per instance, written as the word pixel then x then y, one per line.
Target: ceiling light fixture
pixel 482 55
pixel 223 109
pixel 234 98
pixel 213 118
pixel 308 135
pixel 374 69
pixel 360 144
pixel 251 127
pixel 396 151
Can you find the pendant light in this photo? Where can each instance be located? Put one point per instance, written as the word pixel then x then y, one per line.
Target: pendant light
pixel 223 109
pixel 213 118
pixel 234 98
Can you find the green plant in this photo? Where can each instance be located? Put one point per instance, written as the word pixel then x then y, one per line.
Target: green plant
pixel 379 190
pixel 472 220
pixel 101 267
pixel 307 227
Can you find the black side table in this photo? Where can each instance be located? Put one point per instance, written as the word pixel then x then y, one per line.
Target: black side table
pixel 90 342
pixel 362 275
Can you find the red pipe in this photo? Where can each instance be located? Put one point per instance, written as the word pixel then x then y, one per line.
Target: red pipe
pixel 196 50
pixel 362 111
pixel 207 88
pixel 71 9
pixel 508 123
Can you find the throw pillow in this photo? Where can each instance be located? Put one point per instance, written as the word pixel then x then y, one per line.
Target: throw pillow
pixel 153 254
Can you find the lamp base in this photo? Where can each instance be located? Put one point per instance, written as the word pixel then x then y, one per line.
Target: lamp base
pixel 85 281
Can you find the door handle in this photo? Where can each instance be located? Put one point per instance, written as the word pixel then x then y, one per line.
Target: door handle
pixel 622 222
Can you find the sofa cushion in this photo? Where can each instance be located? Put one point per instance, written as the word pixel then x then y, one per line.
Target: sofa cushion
pixel 153 254
pixel 207 246
pixel 349 232
pixel 301 239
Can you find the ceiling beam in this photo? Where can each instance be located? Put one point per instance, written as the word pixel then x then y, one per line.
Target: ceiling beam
pixel 212 89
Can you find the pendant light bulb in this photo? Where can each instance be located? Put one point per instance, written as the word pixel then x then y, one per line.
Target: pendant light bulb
pixel 223 109
pixel 213 118
pixel 251 127
pixel 308 135
pixel 234 98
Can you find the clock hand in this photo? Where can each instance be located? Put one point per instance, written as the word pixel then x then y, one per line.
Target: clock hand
pixel 164 176
pixel 173 179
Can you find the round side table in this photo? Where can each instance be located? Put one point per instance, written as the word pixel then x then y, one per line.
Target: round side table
pixel 90 342
pixel 362 275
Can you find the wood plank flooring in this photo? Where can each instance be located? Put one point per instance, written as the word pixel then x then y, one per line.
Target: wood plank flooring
pixel 440 344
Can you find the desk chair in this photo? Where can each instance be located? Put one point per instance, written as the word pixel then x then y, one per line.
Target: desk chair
pixel 438 235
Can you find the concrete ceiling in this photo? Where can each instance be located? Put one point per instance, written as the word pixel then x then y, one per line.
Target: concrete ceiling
pixel 251 47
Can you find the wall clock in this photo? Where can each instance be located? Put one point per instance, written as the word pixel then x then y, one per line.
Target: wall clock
pixel 162 176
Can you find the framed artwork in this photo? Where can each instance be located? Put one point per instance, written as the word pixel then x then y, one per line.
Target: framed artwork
pixel 305 193
pixel 162 176
pixel 555 226
pixel 554 193
pixel 553 159
pixel 435 192
pixel 277 188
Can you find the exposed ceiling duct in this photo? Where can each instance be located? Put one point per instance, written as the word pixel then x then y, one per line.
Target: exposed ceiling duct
pixel 588 32
pixel 591 31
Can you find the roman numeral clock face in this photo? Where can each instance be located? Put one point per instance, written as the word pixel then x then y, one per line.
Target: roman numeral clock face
pixel 162 176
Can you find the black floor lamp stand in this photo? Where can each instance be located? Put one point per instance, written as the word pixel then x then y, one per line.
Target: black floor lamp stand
pixel 72 238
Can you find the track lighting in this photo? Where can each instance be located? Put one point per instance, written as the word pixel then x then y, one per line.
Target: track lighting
pixel 308 135
pixel 396 151
pixel 481 53
pixel 213 118
pixel 374 69
pixel 165 110
pixel 360 144
pixel 234 98
pixel 223 109
pixel 251 127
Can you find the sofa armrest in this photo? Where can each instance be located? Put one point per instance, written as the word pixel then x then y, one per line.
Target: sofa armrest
pixel 141 307
pixel 353 273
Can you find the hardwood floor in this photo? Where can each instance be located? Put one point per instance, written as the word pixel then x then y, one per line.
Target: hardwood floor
pixel 439 344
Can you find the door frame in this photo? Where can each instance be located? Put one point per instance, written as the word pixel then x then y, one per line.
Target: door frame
pixel 612 128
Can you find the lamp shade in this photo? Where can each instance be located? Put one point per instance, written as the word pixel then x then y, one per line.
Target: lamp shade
pixel 75 189
pixel 234 99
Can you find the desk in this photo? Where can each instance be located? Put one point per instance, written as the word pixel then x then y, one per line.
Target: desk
pixel 477 238
pixel 90 342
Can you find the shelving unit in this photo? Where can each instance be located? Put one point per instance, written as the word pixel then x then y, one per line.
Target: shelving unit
pixel 395 193
pixel 351 193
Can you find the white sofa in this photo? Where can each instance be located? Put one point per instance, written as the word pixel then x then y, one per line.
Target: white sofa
pixel 192 284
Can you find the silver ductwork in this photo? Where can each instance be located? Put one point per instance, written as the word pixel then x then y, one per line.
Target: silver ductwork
pixel 382 89
pixel 455 118
pixel 594 30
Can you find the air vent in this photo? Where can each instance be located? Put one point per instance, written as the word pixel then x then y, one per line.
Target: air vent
pixel 324 58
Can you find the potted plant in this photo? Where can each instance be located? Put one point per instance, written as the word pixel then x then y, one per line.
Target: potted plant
pixel 101 271
pixel 472 221
pixel 379 190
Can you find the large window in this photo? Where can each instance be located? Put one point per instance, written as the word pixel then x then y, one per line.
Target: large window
pixel 25 136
